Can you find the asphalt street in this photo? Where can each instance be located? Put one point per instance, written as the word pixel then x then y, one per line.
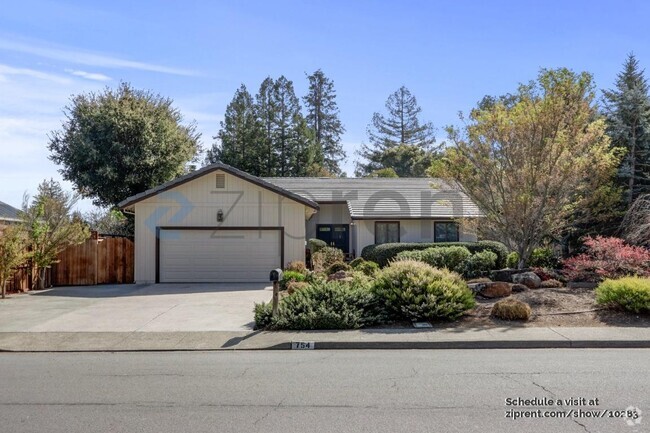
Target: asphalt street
pixel 327 391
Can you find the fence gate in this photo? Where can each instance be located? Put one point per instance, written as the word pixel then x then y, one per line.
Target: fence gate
pixel 99 260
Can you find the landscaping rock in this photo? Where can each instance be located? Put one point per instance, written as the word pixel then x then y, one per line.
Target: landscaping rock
pixel 506 274
pixel 497 289
pixel 518 288
pixel 476 287
pixel 528 279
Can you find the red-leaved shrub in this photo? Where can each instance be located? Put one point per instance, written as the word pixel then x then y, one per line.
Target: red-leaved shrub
pixel 607 258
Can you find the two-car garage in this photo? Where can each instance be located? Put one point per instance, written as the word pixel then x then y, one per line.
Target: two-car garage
pixel 193 255
pixel 217 224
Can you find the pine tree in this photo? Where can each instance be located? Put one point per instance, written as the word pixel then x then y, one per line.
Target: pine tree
pixel 323 120
pixel 266 115
pixel 627 108
pixel 286 136
pixel 286 144
pixel 240 134
pixel 400 127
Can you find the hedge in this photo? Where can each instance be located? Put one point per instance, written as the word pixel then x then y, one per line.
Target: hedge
pixel 384 253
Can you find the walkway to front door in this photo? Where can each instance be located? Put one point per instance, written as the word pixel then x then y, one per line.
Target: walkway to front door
pixel 335 235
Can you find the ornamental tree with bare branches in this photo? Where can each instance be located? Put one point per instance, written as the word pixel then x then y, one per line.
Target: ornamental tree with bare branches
pixel 636 224
pixel 534 160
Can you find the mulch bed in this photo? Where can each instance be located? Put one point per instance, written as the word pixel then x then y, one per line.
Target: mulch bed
pixel 553 307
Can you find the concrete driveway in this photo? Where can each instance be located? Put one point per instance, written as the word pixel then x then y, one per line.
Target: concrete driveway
pixel 131 308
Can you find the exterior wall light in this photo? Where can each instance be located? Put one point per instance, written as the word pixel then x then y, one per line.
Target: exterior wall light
pixel 220 216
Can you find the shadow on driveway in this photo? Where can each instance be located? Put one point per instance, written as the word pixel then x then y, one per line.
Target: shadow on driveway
pixel 122 290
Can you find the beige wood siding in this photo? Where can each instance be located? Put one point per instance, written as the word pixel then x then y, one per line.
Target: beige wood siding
pixel 410 231
pixel 196 204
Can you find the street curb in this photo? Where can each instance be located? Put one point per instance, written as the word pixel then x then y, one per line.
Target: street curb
pixel 441 345
pixel 377 345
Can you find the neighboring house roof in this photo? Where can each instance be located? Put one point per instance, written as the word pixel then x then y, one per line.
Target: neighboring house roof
pixel 385 198
pixel 8 212
pixel 209 169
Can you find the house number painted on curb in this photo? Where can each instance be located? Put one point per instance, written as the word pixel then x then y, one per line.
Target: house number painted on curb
pixel 303 345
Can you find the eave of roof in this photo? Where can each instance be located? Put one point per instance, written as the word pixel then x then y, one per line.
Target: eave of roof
pixel 209 169
pixel 8 212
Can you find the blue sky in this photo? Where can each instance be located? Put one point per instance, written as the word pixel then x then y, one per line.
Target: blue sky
pixel 448 53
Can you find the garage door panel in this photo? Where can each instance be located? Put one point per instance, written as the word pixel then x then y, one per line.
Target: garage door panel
pixel 209 256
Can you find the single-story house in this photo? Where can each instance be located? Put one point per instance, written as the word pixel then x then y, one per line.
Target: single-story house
pixel 8 215
pixel 220 224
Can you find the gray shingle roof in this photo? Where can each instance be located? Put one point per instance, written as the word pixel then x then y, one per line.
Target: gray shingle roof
pixel 381 198
pixel 8 212
pixel 209 169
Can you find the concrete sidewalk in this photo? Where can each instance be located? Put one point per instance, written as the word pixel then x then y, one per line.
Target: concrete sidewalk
pixel 452 338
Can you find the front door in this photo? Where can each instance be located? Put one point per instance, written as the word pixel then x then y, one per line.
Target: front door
pixel 335 235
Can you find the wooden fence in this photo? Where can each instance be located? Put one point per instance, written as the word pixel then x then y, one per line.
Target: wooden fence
pixel 107 260
pixel 99 260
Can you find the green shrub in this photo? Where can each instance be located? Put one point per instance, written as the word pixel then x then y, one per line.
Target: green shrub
pixel 263 315
pixel 414 290
pixel 297 266
pixel 497 248
pixel 367 267
pixel 316 245
pixel 293 286
pixel 332 305
pixel 410 255
pixel 479 264
pixel 511 309
pixel 630 293
pixel 326 257
pixel 382 254
pixel 513 260
pixel 290 276
pixel 314 277
pixel 338 266
pixel 451 258
pixel 457 259
pixel 543 258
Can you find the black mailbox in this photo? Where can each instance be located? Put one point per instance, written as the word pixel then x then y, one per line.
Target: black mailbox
pixel 276 275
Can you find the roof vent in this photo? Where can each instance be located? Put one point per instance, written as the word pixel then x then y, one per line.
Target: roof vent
pixel 221 181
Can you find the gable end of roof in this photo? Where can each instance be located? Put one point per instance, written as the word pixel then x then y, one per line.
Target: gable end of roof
pixel 209 169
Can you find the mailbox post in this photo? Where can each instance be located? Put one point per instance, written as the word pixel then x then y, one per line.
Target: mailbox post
pixel 275 277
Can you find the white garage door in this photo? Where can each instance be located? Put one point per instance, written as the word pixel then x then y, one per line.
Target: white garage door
pixel 188 256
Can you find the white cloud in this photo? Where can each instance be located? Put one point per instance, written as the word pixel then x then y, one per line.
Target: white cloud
pixel 32 103
pixel 82 57
pixel 89 75
pixel 9 70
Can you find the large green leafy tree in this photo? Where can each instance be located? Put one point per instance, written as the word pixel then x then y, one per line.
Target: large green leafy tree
pixel 323 120
pixel 51 225
pixel 239 139
pixel 534 162
pixel 401 126
pixel 627 108
pixel 120 142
